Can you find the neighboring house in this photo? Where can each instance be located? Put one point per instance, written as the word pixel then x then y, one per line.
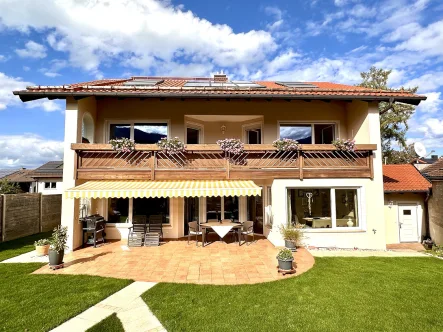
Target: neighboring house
pixel 48 178
pixel 338 195
pixel 422 163
pixel 20 176
pixel 434 173
pixel 406 196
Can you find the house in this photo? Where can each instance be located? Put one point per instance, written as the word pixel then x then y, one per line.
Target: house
pixel 20 176
pixel 406 196
pixel 434 173
pixel 422 163
pixel 48 178
pixel 336 194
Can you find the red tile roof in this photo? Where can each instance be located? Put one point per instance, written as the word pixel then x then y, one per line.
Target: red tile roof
pixel 174 87
pixel 404 178
pixel 434 171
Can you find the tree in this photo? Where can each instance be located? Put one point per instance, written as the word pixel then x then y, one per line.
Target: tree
pixel 393 116
pixel 7 187
pixel 404 156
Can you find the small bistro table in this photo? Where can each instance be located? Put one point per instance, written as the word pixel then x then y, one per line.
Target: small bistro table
pixel 221 229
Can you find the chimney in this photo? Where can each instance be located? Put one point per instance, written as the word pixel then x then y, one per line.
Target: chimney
pixel 434 157
pixel 220 78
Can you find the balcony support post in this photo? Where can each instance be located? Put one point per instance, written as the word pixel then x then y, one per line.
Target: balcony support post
pixel 153 165
pixel 301 163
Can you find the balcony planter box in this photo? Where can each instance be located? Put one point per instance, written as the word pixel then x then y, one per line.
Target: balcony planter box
pixel 56 257
pixel 42 250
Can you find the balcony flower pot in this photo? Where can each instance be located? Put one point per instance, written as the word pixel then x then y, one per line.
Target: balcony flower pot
pixel 56 257
pixel 285 259
pixel 42 247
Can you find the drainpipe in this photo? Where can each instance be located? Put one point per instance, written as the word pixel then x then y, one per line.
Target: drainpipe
pixel 428 231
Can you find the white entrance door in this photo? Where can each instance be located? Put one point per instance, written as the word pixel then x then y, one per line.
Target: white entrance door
pixel 407 222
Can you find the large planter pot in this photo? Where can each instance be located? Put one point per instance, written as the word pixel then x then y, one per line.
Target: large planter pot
pixel 290 245
pixel 285 265
pixel 42 250
pixel 56 258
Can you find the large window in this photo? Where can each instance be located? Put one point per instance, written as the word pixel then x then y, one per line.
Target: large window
pixel 122 209
pixel 141 133
pixel 231 208
pixel 323 207
pixel 222 208
pixel 152 207
pixel 118 210
pixel 309 133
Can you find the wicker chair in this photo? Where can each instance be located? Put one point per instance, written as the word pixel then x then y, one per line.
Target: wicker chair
pixel 194 230
pixel 156 225
pixel 248 230
pixel 137 232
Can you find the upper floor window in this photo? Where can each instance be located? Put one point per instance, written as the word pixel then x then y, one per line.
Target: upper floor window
pixel 141 133
pixel 50 185
pixel 308 133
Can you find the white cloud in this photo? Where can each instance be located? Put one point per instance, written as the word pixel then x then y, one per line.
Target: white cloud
pixel 26 68
pixel 3 58
pixel 432 104
pixel 9 84
pixel 402 32
pixel 28 150
pixel 102 30
pixel 358 49
pixel 32 50
pixel 362 11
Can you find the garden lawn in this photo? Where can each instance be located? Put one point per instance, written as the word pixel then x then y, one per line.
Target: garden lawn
pixel 20 246
pixel 39 302
pixel 109 324
pixel 337 294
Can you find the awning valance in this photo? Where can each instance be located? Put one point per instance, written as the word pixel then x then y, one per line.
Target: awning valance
pixel 139 189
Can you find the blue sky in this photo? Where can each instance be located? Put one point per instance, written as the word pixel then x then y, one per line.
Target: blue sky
pixel 325 40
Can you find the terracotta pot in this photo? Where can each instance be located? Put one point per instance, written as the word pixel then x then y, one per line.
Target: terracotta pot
pixel 42 250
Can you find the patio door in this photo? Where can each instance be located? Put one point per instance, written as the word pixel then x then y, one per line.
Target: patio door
pixel 191 211
pixel 219 208
pixel 255 212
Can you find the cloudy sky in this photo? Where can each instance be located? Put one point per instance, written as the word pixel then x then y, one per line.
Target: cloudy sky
pixel 68 41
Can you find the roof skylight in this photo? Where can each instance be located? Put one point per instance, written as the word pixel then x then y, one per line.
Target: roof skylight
pixel 298 85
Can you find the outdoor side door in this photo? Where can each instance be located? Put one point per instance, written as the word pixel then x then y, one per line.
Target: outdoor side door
pixel 407 222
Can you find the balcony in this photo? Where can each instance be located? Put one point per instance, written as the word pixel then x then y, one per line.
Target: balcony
pixel 207 161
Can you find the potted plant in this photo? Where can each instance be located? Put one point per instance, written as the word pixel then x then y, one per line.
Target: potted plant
pixel 42 247
pixel 292 236
pixel 344 144
pixel 285 144
pixel 122 144
pixel 231 146
pixel 58 245
pixel 285 259
pixel 171 145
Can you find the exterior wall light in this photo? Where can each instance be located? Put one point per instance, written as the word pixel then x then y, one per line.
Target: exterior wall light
pixel 223 129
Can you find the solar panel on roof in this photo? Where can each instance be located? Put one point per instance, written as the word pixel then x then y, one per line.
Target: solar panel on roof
pixel 298 85
pixel 142 82
pixel 228 84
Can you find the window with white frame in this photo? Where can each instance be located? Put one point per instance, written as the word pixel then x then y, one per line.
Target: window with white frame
pixel 308 133
pixel 50 185
pixel 323 207
pixel 148 132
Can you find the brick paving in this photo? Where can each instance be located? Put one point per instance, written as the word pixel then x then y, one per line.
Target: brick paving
pixel 405 246
pixel 175 261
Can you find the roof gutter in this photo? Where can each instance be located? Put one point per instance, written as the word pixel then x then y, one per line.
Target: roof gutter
pixel 33 95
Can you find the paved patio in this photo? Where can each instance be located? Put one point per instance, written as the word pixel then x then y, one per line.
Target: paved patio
pixel 176 261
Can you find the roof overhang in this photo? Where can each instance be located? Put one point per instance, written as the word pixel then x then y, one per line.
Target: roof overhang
pixel 406 191
pixel 26 95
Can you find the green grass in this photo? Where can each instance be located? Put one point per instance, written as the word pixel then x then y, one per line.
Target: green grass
pixel 337 294
pixel 20 246
pixel 109 324
pixel 40 302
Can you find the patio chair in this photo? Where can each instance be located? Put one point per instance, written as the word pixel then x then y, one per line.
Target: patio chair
pixel 156 225
pixel 137 232
pixel 247 230
pixel 99 232
pixel 194 230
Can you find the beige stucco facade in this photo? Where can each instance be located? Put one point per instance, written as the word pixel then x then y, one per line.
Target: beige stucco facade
pixel 357 119
pixel 392 202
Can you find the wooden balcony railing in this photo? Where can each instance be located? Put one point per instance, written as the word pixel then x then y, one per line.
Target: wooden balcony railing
pixel 207 161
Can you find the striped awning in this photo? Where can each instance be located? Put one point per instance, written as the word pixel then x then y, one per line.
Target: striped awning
pixel 138 189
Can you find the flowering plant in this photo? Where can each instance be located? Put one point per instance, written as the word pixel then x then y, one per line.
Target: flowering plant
pixel 231 146
pixel 285 144
pixel 122 144
pixel 42 242
pixel 59 238
pixel 171 145
pixel 344 144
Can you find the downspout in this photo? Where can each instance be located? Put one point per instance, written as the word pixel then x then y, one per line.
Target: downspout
pixel 427 227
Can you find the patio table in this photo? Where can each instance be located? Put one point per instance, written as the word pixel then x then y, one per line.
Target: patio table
pixel 221 229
